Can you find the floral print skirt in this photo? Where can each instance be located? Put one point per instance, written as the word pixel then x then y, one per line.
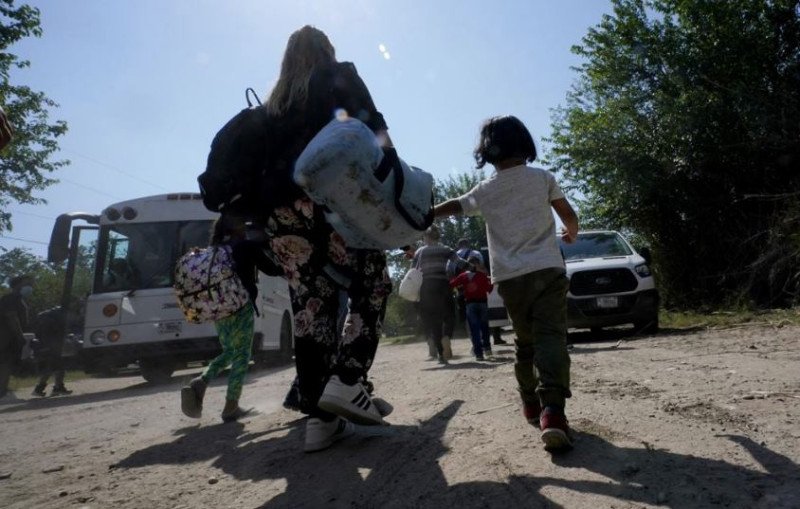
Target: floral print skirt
pixel 318 265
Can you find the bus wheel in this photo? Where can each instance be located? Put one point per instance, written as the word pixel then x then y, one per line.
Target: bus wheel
pixel 156 371
pixel 287 347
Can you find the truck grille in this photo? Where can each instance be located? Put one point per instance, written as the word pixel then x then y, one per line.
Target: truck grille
pixel 604 281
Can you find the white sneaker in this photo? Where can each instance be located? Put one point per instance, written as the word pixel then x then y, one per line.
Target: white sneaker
pixel 321 435
pixel 349 401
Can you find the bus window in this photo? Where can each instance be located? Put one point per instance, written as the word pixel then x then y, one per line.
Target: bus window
pixel 117 271
pixel 193 234
pixel 143 255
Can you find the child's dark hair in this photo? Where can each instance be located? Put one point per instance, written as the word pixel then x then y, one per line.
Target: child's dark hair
pixel 504 138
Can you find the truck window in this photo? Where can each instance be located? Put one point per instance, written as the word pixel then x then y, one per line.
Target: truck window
pixel 595 245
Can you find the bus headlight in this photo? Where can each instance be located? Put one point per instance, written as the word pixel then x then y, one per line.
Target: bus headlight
pixel 97 337
pixel 113 336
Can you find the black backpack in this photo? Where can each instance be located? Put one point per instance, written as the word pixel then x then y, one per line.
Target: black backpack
pixel 237 162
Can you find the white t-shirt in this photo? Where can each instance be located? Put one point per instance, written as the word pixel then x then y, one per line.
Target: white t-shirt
pixel 520 229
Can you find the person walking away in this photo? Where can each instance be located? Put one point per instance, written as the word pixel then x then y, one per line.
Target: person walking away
pixel 527 266
pixel 421 332
pixel 464 251
pixel 435 296
pixel 50 330
pixel 475 286
pixel 311 90
pixel 13 321
pixel 235 331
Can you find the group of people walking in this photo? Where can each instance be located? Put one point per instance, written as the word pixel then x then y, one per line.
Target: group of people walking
pixel 443 271
pixel 332 363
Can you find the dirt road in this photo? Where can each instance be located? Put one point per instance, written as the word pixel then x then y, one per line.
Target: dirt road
pixel 681 419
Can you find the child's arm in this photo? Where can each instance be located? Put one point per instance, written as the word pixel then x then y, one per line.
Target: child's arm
pixel 568 217
pixel 448 208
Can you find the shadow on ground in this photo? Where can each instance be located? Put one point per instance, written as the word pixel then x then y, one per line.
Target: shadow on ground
pixel 137 388
pixel 398 466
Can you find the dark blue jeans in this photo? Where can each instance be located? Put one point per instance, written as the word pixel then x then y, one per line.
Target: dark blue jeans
pixel 478 319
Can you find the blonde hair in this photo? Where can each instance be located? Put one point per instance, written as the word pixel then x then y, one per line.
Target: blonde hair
pixel 307 48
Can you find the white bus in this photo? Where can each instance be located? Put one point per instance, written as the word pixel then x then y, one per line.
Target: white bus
pixel 131 313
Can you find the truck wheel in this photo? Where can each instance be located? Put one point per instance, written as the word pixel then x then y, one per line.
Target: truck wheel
pixel 648 326
pixel 156 371
pixel 287 343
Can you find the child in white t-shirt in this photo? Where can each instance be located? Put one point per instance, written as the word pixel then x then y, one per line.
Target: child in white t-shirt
pixel 527 266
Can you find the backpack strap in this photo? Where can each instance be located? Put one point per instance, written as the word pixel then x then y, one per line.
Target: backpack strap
pixel 390 162
pixel 247 93
pixel 210 269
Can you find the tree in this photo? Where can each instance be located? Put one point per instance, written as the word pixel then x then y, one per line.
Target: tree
pixel 682 127
pixel 25 163
pixel 460 227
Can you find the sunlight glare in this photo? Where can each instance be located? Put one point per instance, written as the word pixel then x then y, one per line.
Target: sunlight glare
pixel 341 114
pixel 384 51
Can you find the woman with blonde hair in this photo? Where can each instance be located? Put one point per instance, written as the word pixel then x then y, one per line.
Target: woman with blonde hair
pixel 312 89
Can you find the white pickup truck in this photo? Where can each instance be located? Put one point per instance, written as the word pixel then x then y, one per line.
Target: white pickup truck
pixel 610 283
pixel 498 316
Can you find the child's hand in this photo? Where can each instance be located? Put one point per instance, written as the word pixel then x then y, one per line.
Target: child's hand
pixel 566 237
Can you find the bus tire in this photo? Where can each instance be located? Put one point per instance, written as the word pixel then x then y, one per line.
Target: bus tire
pixel 156 371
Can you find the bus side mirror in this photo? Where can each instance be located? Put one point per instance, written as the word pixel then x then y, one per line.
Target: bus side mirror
pixel 58 249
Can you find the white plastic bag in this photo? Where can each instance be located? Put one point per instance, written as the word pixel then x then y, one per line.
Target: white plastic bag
pixel 411 284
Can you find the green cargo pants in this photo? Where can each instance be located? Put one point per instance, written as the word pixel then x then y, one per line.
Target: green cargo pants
pixel 537 305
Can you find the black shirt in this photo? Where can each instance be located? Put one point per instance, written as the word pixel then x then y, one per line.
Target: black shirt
pixel 330 88
pixel 15 304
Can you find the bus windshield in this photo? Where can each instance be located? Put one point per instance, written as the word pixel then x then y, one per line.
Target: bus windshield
pixel 595 245
pixel 134 256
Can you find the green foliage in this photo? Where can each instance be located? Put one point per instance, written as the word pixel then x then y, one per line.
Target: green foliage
pixel 18 262
pixel 401 317
pixel 682 127
pixel 27 159
pixel 460 227
pixel 729 319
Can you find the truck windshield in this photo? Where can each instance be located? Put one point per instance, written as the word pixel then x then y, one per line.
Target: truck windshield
pixel 595 245
pixel 142 255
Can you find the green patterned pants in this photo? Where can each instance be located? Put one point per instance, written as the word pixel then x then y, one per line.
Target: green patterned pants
pixel 537 305
pixel 236 337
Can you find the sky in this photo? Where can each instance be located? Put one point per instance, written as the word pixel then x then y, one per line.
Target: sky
pixel 145 85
